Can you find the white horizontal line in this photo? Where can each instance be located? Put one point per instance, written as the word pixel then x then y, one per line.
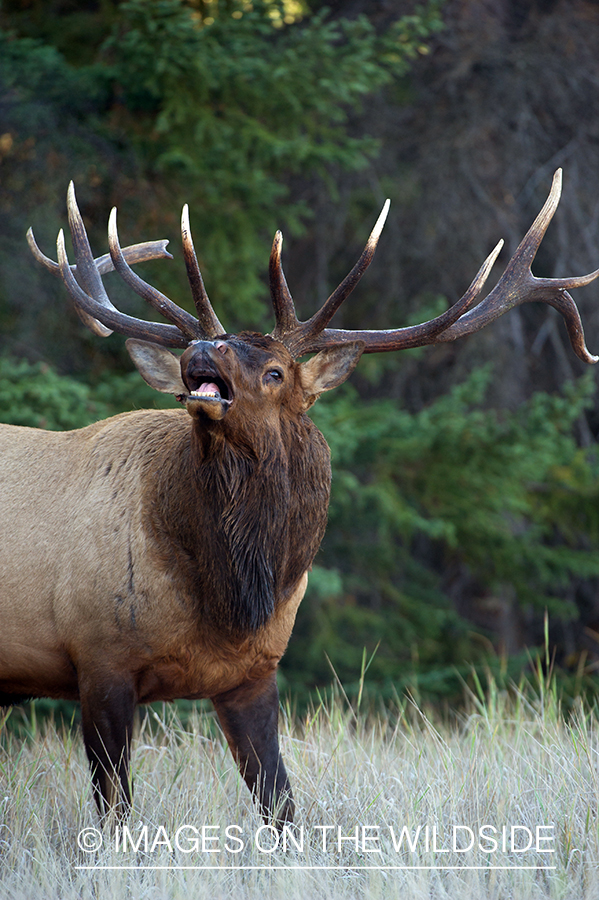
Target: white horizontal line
pixel 319 868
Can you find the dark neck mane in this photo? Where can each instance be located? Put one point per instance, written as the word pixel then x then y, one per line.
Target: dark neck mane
pixel 244 528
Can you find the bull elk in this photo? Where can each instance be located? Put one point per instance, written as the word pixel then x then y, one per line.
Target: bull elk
pixel 163 554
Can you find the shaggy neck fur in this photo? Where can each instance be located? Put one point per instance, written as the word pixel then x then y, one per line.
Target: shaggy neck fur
pixel 244 523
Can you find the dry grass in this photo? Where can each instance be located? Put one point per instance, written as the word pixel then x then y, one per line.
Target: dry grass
pixel 511 761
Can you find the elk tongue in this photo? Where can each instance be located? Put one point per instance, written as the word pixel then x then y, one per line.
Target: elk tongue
pixel 208 388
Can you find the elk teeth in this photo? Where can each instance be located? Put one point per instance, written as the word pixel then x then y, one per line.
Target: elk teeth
pixel 204 394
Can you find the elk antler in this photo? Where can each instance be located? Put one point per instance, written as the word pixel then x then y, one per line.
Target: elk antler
pixel 517 285
pixel 84 284
pixel 206 316
pixel 133 254
pixel 289 330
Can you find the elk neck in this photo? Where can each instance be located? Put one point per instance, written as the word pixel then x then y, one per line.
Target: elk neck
pixel 242 523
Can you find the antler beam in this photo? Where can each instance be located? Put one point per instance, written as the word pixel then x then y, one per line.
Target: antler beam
pixel 103 264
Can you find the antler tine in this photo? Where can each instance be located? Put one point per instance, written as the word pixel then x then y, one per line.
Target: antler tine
pixel 206 316
pixel 135 253
pixel 304 334
pixel 324 315
pixel 184 321
pixel 86 272
pixel 282 301
pixel 158 333
pixel 518 285
pixel 528 246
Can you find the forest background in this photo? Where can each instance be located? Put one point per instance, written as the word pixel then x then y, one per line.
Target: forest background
pixel 465 512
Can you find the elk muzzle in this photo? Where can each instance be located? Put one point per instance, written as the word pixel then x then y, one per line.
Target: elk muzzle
pixel 204 369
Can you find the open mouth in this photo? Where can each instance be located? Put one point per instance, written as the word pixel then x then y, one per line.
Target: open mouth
pixel 209 387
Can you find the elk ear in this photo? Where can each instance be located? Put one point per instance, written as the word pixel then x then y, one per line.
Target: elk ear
pixel 328 369
pixel 157 365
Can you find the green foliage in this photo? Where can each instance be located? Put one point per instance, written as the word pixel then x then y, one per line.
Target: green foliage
pixel 49 134
pixel 277 101
pixel 39 74
pixel 509 499
pixel 218 115
pixel 34 394
pixel 230 110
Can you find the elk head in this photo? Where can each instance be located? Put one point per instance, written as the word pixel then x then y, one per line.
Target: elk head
pixel 226 381
pixel 212 376
pixel 234 382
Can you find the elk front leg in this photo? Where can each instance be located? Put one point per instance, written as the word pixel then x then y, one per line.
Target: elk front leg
pixel 107 708
pixel 249 717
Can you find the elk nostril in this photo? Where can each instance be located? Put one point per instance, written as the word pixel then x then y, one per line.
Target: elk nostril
pixel 221 346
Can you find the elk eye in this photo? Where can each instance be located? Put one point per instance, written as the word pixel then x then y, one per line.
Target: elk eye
pixel 275 374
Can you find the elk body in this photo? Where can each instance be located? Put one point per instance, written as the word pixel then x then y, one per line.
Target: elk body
pixel 163 554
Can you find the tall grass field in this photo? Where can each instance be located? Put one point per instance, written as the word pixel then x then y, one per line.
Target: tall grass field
pixel 501 803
